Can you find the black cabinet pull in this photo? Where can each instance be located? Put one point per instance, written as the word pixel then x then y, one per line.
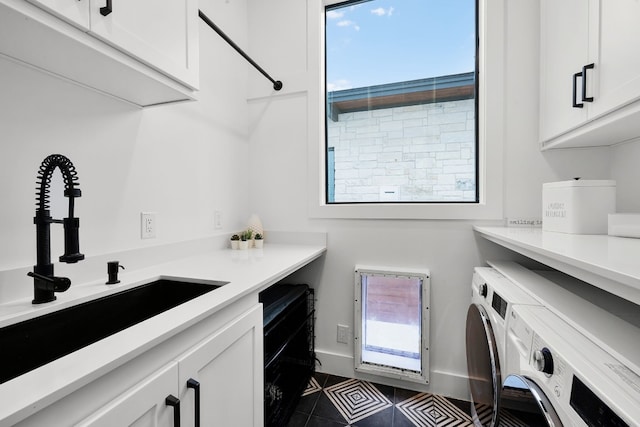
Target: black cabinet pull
pixel 195 385
pixel 575 90
pixel 171 400
pixel 584 82
pixel 105 10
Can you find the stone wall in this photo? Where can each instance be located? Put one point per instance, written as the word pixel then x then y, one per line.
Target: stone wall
pixel 414 153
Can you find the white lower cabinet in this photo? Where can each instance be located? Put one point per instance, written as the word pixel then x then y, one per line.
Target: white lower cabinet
pixel 218 381
pixel 142 406
pixel 214 369
pixel 228 367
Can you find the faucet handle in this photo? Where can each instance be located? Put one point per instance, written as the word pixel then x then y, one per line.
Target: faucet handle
pixel 60 284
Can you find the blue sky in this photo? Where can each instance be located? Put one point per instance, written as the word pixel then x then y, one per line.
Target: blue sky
pixel 387 41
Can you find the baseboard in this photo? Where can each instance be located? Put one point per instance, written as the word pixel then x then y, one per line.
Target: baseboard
pixel 447 384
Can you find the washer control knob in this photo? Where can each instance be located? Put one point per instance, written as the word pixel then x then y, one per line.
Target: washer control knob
pixel 482 289
pixel 543 360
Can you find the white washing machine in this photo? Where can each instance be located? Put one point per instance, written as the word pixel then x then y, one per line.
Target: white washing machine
pixel 609 321
pixel 572 381
pixel 492 298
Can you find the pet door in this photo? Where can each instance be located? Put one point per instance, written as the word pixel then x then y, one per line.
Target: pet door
pixel 392 322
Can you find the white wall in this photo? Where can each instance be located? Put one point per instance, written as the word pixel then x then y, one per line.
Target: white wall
pixel 449 249
pixel 177 160
pixel 625 159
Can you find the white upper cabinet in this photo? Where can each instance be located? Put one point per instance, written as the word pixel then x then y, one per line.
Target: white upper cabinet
pixel 144 52
pixel 589 74
pixel 618 55
pixel 160 33
pixel 564 35
pixel 75 12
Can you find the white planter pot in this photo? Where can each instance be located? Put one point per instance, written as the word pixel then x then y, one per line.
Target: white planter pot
pixel 258 243
pixel 244 244
pixel 235 244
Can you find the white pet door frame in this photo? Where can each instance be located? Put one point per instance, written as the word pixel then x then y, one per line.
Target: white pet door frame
pixel 391 333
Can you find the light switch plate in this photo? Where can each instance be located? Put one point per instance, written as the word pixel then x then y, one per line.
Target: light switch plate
pixel 217 220
pixel 343 334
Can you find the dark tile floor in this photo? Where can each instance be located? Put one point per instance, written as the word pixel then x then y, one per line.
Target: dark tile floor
pixel 336 401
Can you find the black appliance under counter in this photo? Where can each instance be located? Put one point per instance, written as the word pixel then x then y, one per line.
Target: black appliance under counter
pixel 289 352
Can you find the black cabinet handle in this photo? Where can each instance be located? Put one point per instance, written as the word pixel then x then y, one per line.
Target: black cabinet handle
pixel 171 400
pixel 195 385
pixel 105 10
pixel 584 82
pixel 575 90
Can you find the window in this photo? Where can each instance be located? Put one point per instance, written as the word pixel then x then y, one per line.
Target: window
pixel 401 102
pixel 490 118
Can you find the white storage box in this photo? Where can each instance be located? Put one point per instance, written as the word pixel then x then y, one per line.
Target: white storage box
pixel 578 206
pixel 624 225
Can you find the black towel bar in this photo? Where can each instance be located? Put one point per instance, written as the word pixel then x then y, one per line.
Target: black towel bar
pixel 277 84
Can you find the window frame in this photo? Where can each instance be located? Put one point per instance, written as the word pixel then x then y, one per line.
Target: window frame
pixel 346 4
pixel 490 75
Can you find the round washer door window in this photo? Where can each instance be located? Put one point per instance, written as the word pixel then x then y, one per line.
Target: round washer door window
pixel 526 403
pixel 483 368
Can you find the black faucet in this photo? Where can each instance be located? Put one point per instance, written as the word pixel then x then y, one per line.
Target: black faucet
pixel 44 282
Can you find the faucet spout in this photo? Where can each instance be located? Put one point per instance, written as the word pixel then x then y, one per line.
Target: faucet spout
pixel 44 282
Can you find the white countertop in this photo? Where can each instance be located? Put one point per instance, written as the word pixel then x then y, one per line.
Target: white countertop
pixel 247 271
pixel 608 262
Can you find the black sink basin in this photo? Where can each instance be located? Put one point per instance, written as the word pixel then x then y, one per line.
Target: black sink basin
pixel 30 344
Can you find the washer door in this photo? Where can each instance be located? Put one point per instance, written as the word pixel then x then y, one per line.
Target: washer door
pixel 522 398
pixel 483 368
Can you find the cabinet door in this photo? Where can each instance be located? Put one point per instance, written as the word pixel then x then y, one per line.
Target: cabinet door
pixel 74 11
pixel 564 49
pixel 229 369
pixel 617 71
pixel 142 406
pixel 161 33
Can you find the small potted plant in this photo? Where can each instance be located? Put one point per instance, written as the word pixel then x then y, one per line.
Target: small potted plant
pixel 245 239
pixel 258 241
pixel 235 241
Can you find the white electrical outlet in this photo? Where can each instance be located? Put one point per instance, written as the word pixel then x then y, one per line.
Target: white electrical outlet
pixel 217 220
pixel 343 334
pixel 148 225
